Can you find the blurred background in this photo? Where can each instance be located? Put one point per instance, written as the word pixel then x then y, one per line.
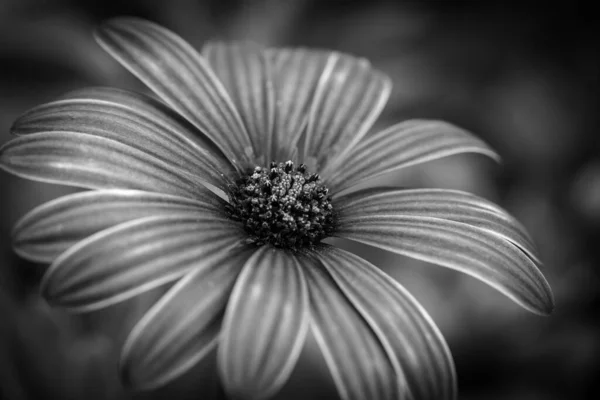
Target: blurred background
pixel 524 78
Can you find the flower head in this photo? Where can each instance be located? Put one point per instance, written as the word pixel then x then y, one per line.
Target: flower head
pixel 226 188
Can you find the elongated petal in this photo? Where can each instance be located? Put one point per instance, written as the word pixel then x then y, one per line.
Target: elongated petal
pixel 399 320
pixel 246 73
pixel 296 76
pixel 133 119
pixel 128 259
pixel 357 359
pixel 402 145
pixel 180 76
pixel 265 325
pixel 456 245
pixel 50 229
pixel 93 162
pixel 349 97
pixel 452 205
pixel 183 326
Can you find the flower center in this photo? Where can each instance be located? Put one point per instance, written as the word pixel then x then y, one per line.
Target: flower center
pixel 282 205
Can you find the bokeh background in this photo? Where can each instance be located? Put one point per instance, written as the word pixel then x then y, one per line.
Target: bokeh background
pixel 523 77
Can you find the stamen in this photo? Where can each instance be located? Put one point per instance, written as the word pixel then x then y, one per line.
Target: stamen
pixel 282 205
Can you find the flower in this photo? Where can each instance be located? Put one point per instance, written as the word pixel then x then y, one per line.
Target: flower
pixel 227 190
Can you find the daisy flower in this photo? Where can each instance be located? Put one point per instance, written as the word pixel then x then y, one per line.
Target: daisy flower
pixel 226 188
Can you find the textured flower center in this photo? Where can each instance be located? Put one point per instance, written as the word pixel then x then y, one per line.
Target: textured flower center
pixel 282 205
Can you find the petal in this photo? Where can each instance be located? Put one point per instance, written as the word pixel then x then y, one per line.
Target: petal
pixel 136 256
pixel 48 230
pixel 94 162
pixel 399 320
pixel 358 361
pixel 456 245
pixel 265 325
pixel 296 76
pixel 180 76
pixel 453 205
pixel 349 97
pixel 183 326
pixel 133 119
pixel 402 145
pixel 245 72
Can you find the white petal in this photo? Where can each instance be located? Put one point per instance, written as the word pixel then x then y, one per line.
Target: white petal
pixel 245 71
pixel 402 145
pixel 265 325
pixel 296 75
pixel 48 230
pixel 459 246
pixel 135 120
pixel 453 205
pixel 95 162
pixel 399 321
pixel 348 99
pixel 131 258
pixel 358 361
pixel 183 326
pixel 181 77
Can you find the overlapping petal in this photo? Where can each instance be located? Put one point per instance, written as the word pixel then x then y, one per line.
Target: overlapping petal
pixel 359 362
pixel 245 71
pixel 402 145
pixel 50 229
pixel 184 325
pixel 181 77
pixel 453 205
pixel 399 320
pixel 135 120
pixel 349 97
pixel 93 162
pixel 265 325
pixel 128 259
pixel 456 245
pixel 296 74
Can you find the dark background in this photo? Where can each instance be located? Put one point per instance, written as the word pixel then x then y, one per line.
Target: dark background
pixel 522 76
